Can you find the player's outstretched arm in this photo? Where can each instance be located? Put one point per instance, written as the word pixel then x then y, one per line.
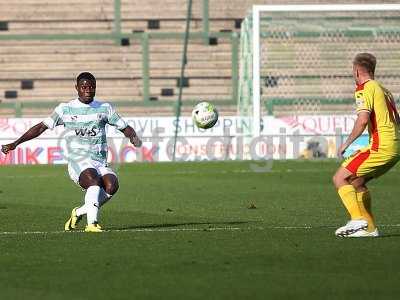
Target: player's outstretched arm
pixel 130 133
pixel 32 133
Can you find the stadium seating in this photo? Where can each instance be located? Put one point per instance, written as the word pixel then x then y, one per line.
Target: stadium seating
pixel 53 64
pixel 37 71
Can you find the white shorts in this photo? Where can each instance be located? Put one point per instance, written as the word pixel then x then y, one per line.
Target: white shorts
pixel 76 168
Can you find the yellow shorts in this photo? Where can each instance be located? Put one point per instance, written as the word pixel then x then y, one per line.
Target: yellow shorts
pixel 370 163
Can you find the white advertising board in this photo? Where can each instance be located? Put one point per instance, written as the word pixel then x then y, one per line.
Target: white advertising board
pixel 281 138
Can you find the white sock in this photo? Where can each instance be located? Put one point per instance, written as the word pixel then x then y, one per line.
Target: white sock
pixel 92 203
pixel 103 197
pixel 81 210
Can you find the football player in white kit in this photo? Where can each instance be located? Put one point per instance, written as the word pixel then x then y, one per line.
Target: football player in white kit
pixel 84 120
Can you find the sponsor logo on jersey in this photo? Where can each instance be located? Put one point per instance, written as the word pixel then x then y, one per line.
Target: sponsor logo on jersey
pixel 87 131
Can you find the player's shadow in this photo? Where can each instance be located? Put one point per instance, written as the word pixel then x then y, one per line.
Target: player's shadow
pixel 389 235
pixel 173 225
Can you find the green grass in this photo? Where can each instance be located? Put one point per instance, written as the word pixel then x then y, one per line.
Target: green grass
pixel 202 240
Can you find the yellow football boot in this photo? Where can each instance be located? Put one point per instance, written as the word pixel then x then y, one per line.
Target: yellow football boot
pixel 95 227
pixel 72 221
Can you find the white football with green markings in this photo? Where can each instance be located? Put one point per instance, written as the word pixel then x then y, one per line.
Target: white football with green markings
pixel 205 115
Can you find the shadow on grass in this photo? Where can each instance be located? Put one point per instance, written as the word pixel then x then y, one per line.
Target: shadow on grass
pixel 389 235
pixel 173 225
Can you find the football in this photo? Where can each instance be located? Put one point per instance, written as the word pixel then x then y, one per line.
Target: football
pixel 205 115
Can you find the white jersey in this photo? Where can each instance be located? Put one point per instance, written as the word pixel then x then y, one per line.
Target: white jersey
pixel 85 124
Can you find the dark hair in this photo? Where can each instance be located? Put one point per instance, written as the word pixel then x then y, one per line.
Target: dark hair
pixel 87 76
pixel 367 61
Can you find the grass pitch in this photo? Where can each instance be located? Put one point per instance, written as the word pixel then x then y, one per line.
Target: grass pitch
pixel 196 231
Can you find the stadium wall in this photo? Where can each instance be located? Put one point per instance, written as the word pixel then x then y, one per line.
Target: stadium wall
pixel 282 138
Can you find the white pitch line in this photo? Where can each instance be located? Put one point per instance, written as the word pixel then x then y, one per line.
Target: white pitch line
pixel 130 230
pixel 306 227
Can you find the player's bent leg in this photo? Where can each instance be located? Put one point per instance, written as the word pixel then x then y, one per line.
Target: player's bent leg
pixel 89 177
pixel 364 203
pixel 110 186
pixel 342 177
pixel 347 194
pixel 359 183
pixel 110 183
pixel 83 178
pixel 90 180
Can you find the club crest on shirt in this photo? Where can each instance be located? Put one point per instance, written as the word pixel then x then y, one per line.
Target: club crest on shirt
pixel 101 117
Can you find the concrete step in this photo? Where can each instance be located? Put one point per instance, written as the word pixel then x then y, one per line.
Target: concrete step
pixel 70 57
pixel 57 74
